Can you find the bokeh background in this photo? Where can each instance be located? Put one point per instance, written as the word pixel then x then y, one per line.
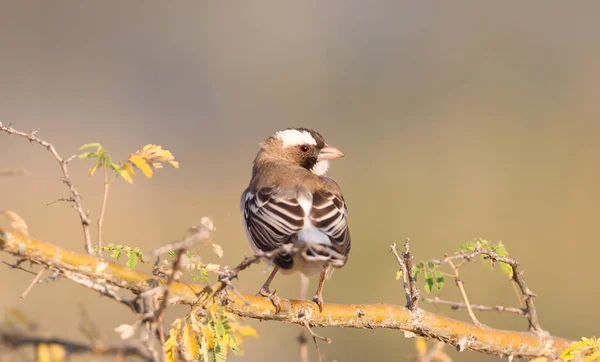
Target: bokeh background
pixel 458 120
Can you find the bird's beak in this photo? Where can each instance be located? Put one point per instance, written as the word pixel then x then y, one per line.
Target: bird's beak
pixel 329 152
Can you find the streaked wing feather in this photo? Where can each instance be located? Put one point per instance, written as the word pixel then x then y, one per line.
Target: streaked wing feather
pixel 272 221
pixel 329 214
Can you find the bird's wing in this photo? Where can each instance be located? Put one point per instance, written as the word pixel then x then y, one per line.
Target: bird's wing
pixel 330 215
pixel 272 218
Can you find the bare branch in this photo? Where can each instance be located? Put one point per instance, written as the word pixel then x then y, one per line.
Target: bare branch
pixel 14 172
pixel 404 271
pixel 517 277
pixel 103 209
pixel 461 286
pixel 414 290
pixel 19 339
pixel 365 316
pixel 77 199
pixel 33 282
pixel 478 307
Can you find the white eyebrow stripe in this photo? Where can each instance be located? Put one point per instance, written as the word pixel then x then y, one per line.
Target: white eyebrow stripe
pixel 293 137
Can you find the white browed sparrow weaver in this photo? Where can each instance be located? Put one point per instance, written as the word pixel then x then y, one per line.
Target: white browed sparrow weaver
pixel 290 200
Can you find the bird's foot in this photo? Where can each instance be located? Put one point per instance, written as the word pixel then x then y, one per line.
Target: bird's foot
pixel 318 298
pixel 275 300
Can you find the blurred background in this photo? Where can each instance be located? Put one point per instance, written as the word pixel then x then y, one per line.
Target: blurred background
pixel 458 120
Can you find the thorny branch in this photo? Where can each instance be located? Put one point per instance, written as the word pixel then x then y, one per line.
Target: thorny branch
pixel 77 199
pixel 456 333
pixel 517 276
pixel 479 307
pixel 127 348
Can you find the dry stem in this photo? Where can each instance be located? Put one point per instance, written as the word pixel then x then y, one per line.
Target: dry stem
pixel 366 316
pixel 77 199
pixel 478 307
pixel 461 286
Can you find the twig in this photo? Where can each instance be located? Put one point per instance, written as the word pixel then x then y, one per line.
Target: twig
pixel 33 282
pixel 101 288
pixel 103 209
pixel 461 286
pixel 14 172
pixel 18 266
pixel 517 277
pixel 314 338
pixel 404 275
pixel 435 352
pixel 479 307
pixel 365 316
pixel 77 199
pixel 19 339
pixel 151 339
pixel 170 280
pixel 414 290
pixel 303 347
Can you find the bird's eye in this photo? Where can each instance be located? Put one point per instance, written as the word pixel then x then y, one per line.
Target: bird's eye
pixel 304 148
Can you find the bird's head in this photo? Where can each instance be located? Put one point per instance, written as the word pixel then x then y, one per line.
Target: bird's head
pixel 301 146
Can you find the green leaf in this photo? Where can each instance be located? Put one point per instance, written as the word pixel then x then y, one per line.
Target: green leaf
pixel 428 280
pixel 506 269
pixel 87 155
pixel 500 249
pixel 204 275
pixel 132 260
pixel 91 145
pixel 418 269
pixel 115 254
pixel 220 351
pixel 219 329
pixel 439 280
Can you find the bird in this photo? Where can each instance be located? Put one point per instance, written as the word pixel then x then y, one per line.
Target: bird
pixel 290 200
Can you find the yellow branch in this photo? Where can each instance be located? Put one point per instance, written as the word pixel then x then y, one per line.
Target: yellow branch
pixel 367 316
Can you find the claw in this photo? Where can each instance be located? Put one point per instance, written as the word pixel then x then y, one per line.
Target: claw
pixel 319 300
pixel 275 300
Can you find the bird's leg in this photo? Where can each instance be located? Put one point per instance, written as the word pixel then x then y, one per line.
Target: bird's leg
pixel 265 292
pixel 318 298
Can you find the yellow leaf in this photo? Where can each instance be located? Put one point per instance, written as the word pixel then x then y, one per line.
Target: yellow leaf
pixel 128 168
pixel 398 274
pixel 247 331
pixel 171 343
pixel 17 222
pixel 174 164
pixel 57 352
pixel 127 172
pixel 191 348
pixel 421 346
pixel 92 170
pixel 43 353
pixel 587 346
pixel 141 164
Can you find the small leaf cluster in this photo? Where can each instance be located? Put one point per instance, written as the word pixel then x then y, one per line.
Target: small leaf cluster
pixel 134 254
pixel 432 276
pixel 148 158
pixel 481 244
pixel 208 337
pixel 586 350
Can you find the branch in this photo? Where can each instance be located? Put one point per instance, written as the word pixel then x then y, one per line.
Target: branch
pixel 479 307
pixel 364 316
pixel 77 199
pixel 532 317
pixel 14 171
pixel 18 339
